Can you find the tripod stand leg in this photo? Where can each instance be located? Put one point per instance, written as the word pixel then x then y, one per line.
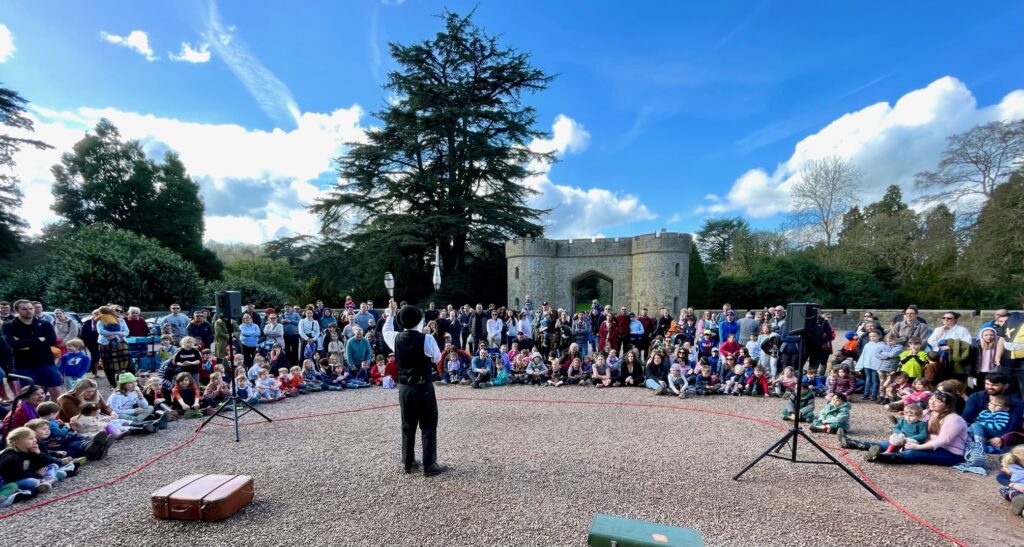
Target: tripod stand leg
pixel 778 444
pixel 829 455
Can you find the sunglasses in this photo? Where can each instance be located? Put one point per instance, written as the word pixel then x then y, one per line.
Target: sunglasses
pixel 947 318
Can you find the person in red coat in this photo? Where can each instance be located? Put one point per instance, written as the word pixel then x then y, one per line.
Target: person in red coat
pixel 622 324
pixel 608 335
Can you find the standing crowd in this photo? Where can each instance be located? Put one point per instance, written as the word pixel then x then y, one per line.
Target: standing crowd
pixel 952 395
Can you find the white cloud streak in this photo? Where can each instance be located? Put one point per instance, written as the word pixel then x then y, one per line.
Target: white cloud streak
pixel 273 96
pixel 7 48
pixel 889 143
pixel 189 55
pixel 136 40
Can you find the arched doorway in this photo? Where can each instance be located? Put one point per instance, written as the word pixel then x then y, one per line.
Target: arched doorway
pixel 589 286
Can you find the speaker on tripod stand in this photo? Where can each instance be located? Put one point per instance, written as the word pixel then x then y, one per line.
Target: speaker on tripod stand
pixel 229 307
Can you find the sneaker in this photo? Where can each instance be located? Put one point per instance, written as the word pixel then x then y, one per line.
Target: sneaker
pixel 80 461
pixel 161 422
pixel 873 453
pixel 659 390
pixel 841 437
pixel 975 454
pixel 787 395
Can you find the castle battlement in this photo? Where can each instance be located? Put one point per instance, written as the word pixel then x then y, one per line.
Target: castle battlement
pixel 660 242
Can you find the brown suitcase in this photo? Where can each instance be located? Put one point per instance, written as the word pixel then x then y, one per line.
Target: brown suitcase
pixel 203 497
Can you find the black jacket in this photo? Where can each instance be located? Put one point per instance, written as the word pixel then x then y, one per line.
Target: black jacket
pixel 29 351
pixel 15 465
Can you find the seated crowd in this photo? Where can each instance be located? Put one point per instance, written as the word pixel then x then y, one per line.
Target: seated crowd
pixel 952 396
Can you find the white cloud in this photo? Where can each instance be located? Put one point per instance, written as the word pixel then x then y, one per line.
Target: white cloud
pixel 577 212
pixel 889 143
pixel 264 177
pixel 136 40
pixel 270 92
pixel 7 48
pixel 189 55
pixel 256 184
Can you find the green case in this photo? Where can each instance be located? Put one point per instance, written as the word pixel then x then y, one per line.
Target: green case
pixel 612 531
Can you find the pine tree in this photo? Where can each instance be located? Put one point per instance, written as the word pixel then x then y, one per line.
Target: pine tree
pixel 447 166
pixel 12 115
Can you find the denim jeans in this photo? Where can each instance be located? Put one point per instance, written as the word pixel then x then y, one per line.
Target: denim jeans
pixel 652 383
pixel 132 417
pixel 939 456
pixel 870 383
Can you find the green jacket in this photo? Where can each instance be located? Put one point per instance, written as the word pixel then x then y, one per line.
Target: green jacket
pixel 834 416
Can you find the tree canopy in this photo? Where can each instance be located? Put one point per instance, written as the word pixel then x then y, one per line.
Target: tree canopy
pixel 447 166
pixel 106 180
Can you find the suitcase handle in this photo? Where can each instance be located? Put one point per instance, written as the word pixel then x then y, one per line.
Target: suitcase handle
pixel 179 509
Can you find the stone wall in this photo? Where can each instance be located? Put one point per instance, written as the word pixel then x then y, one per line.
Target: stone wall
pixel 650 270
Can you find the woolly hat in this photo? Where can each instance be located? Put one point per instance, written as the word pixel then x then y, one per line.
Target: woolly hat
pixel 125 378
pixel 409 317
pixel 676 367
pixel 850 335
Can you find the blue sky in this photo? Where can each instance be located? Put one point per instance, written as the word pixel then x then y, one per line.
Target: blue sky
pixel 662 113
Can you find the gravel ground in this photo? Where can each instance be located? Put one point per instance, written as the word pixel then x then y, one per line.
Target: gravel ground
pixel 525 471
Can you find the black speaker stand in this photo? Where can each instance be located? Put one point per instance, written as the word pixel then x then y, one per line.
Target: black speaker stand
pixel 233 400
pixel 795 433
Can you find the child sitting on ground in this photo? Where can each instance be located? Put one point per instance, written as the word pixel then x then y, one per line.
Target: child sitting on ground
pixel 784 385
pixel 574 374
pixel 66 465
pixel 910 426
pixel 245 390
pixel 1011 479
pixel 253 373
pixel 268 389
pixel 843 383
pixel 834 416
pixel 536 371
pixel 734 381
pixel 454 369
pixel 310 376
pixel 758 383
pixel 185 398
pixel 363 373
pixel 291 382
pixel 24 464
pixel 62 439
pixel 216 392
pixel 814 383
pixel 601 373
pixel 90 422
pixel 677 383
pixel 917 394
pixel 706 382
pixel 913 358
pixel 75 363
pixel 556 376
pixel 806 407
pixel 892 388
pixel 991 423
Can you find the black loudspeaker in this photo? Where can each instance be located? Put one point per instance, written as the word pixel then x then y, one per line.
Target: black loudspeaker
pixel 229 304
pixel 802 318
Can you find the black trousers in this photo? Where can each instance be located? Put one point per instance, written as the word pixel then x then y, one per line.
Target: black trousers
pixel 418 407
pixel 291 348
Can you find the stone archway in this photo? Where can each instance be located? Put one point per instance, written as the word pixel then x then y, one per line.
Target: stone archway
pixel 589 286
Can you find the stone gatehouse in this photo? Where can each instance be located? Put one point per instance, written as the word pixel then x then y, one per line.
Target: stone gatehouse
pixel 649 270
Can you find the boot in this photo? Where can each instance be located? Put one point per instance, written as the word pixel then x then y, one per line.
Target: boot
pixel 434 470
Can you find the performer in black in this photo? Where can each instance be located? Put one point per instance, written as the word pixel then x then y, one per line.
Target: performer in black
pixel 416 355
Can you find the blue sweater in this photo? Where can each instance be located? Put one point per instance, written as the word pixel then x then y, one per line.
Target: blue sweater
pixel 74 365
pixel 994 422
pixel 249 334
pixel 978 402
